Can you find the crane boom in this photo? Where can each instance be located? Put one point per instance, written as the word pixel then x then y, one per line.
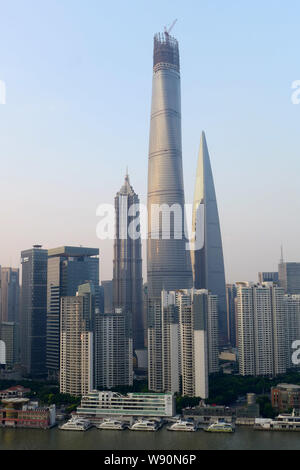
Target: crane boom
pixel 171 27
pixel 167 31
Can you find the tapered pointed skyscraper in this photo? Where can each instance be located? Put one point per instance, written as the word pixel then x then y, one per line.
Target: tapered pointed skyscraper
pixel 208 261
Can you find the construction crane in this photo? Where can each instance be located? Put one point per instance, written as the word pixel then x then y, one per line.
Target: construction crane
pixel 167 31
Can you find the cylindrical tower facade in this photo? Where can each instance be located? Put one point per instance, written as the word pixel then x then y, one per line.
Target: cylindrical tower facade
pixel 169 264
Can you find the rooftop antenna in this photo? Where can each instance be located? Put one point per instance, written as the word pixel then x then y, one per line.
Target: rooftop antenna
pixel 167 31
pixel 282 257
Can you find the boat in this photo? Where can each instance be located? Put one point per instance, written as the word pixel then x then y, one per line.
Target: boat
pixel 283 422
pixel 186 426
pixel 220 426
pixel 76 424
pixel 112 424
pixel 144 425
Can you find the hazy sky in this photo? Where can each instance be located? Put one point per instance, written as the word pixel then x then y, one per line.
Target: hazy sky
pixel 78 76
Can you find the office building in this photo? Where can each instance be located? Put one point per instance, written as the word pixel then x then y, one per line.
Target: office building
pixel 107 287
pixel 207 258
pixel 9 295
pixel 127 279
pixel 34 311
pixel 9 334
pixel 268 277
pixel 68 268
pixel 289 277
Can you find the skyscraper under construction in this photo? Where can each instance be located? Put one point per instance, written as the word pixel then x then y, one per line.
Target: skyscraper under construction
pixel 169 264
pixel 168 259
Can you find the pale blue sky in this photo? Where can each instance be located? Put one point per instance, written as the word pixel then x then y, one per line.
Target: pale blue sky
pixel 78 77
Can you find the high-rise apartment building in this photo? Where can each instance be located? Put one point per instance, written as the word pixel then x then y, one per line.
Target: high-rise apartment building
pixel 34 310
pixel 186 328
pixel 213 333
pixel 292 314
pixel 193 321
pixel 261 329
pixel 145 313
pixel 207 258
pixel 68 268
pixel 127 279
pixel 155 347
pixel 170 342
pixel 231 292
pixel 2 354
pixel 77 342
pixel 113 350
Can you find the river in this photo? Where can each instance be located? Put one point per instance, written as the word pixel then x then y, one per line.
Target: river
pixel 243 439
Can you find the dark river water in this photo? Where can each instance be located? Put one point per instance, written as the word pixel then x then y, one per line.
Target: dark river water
pixel 243 439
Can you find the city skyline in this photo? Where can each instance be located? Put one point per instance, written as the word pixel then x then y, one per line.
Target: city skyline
pixel 215 98
pixel 165 297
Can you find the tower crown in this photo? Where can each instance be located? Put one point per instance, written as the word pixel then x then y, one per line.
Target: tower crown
pixel 127 189
pixel 166 52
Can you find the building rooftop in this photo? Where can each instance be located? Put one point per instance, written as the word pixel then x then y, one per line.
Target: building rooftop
pixel 73 251
pixel 288 387
pixel 15 401
pixel 16 388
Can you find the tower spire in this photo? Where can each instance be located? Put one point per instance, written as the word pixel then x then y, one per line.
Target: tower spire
pixel 282 256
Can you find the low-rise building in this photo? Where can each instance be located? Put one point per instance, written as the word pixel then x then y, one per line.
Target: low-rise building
pixel 285 397
pixel 209 414
pixel 97 405
pixel 14 392
pixel 20 413
pixel 242 415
